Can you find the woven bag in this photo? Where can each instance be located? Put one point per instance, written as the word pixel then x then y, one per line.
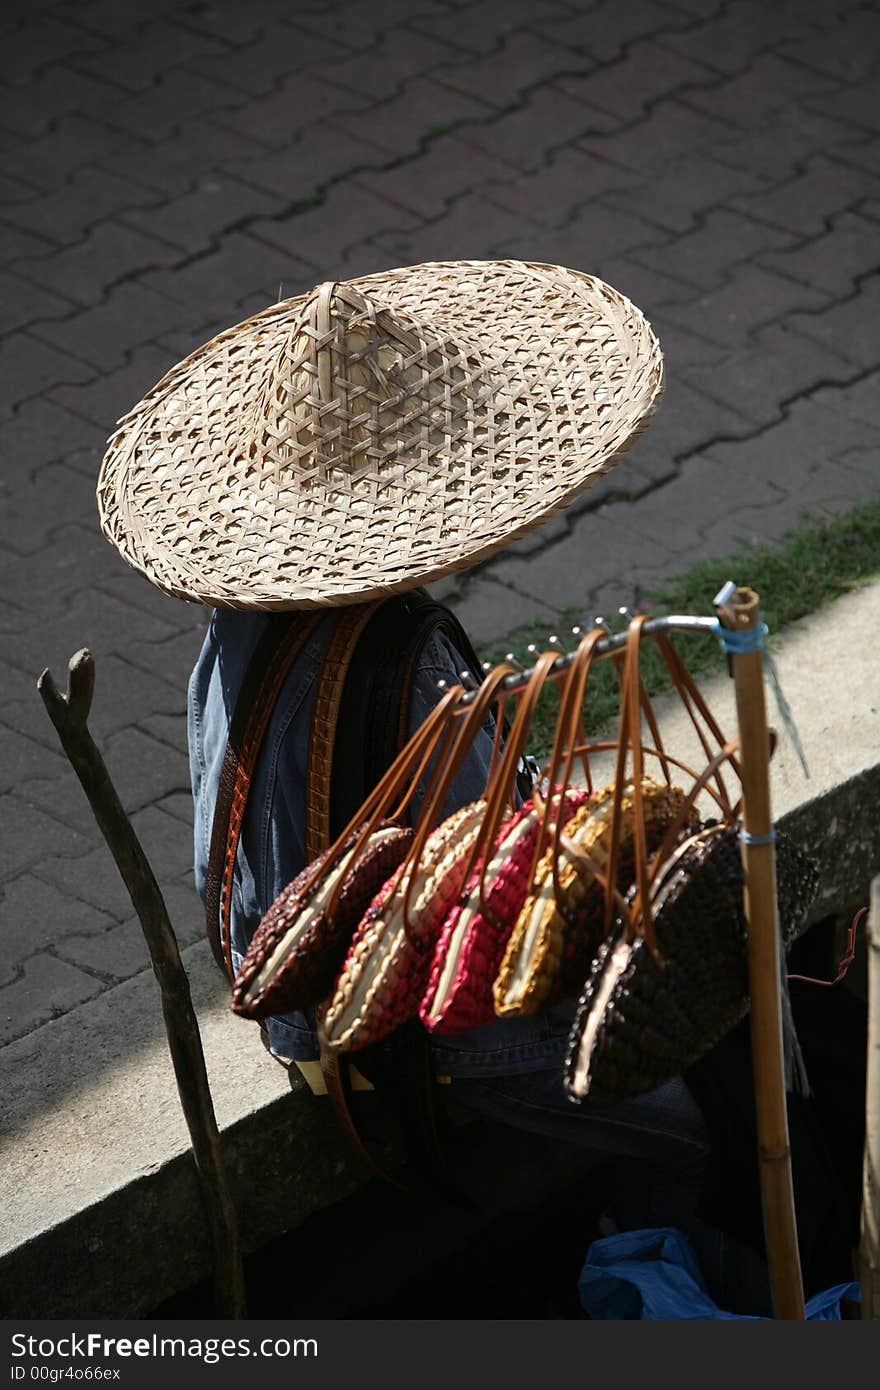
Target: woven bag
pixel 562 919
pixel 639 1023
pixel 386 970
pixel 475 933
pixel 299 947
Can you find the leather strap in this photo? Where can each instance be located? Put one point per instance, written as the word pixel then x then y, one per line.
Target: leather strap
pixel 325 722
pixel 278 647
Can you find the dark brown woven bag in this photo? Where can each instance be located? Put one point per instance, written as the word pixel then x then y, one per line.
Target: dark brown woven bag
pixel 640 1022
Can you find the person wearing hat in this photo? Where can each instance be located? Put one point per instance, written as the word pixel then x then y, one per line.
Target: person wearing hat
pixel 355 442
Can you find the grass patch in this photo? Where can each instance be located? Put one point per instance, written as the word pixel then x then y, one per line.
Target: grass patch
pixel 826 557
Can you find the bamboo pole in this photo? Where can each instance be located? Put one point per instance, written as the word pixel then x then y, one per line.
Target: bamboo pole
pixel 869 1248
pixel 741 613
pixel 69 713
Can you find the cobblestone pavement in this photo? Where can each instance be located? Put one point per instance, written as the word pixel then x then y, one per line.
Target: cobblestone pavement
pixel 168 168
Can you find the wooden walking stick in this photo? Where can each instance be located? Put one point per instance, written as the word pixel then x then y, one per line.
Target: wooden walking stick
pixel 69 713
pixel 869 1248
pixel 738 611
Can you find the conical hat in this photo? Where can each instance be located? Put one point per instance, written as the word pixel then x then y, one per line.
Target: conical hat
pixel 377 433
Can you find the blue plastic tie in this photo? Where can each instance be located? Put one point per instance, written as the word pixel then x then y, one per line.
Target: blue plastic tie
pixel 738 640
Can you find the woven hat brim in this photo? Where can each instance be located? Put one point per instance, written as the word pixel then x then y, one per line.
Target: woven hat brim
pixel 538 379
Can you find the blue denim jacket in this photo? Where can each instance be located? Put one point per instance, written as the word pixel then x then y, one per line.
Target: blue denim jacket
pixel 272 847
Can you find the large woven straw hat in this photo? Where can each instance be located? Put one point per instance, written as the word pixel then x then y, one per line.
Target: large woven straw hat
pixel 377 433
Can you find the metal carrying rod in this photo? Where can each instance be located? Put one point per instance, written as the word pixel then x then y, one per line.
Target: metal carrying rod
pixel 674 622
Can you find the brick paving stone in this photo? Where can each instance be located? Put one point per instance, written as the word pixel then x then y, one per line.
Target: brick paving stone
pixel 719 493
pixel 155 114
pixel 520 63
pixel 860 400
pixel 855 104
pixel 686 421
pixel 547 121
pixel 322 235
pixel 779 146
pixel 41 40
pixel 470 222
pixel 750 299
pixel 21 758
pixel 144 768
pixel 552 530
pixel 691 186
pixel 172 167
pixel 217 283
pixel 382 69
pixel 597 234
pixel 299 103
pixel 195 220
pixel 34 915
pixel 848 54
pixel 163 843
pixel 15 243
pixel 16 191
pixel 90 878
pixel 75 142
pixel 604 30
pixel 169 729
pixel 123 23
pixel 178 804
pixel 42 433
pixel 46 989
pixel 835 261
pixel 480 28
pixel 29 836
pixel 862 153
pixel 311 162
pixel 804 205
pixel 569 180
pixel 29 366
pixel 361 26
pixel 806 441
pixel 64 214
pixel 25 302
pixel 175 656
pixel 732 39
pixel 160 46
pixel 723 239
pixel 59 92
pixel 447 169
pixel 75 558
pixel 101 335
pixel 599 545
pixel 91 619
pixel 257 67
pixel 849 327
pixel 650 289
pixel 668 131
pixel 645 74
pixel 404 123
pixel 777 366
pixel 105 398
pixel 768 86
pixel 185 911
pixel 29 523
pixel 84 272
pixel 489 609
pixel 115 954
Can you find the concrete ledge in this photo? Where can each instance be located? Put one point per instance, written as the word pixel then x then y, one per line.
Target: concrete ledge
pixel 101 1208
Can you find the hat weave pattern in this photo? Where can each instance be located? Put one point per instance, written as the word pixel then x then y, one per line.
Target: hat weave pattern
pixel 375 434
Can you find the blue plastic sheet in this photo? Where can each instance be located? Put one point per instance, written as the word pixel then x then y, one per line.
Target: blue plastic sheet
pixel 654 1275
